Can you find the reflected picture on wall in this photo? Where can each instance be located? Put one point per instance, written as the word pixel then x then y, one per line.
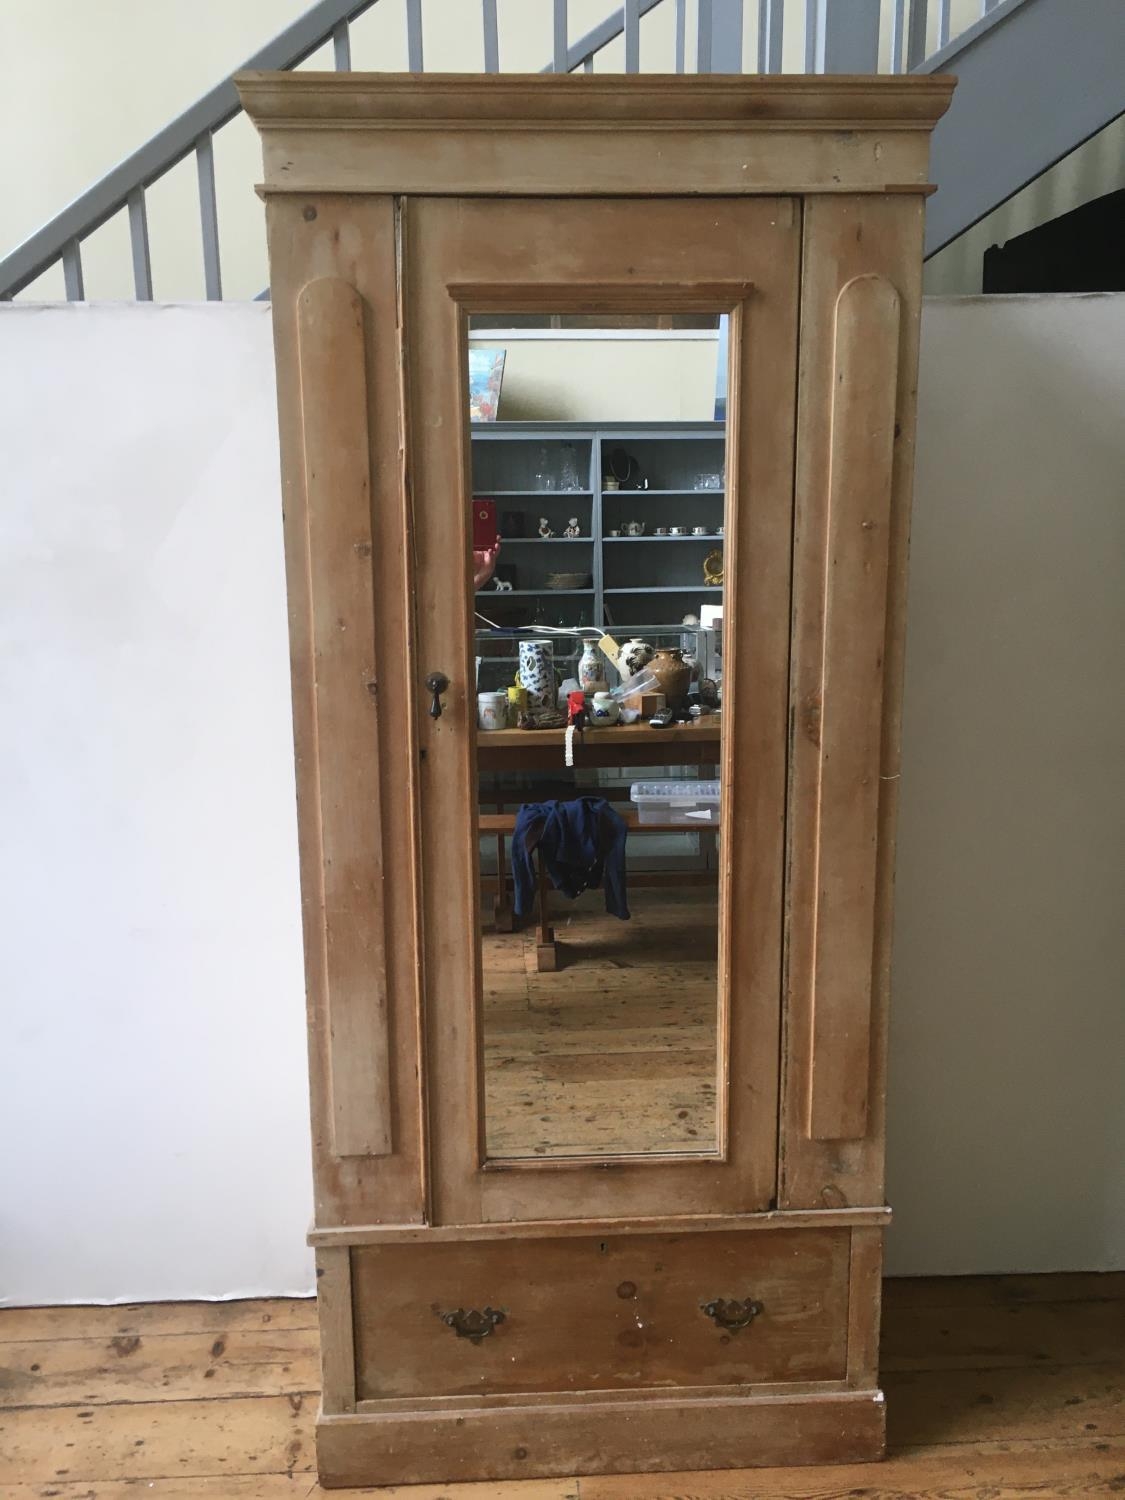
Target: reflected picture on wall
pixel 486 375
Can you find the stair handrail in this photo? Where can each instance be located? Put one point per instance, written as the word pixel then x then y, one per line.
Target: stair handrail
pixel 838 38
pixel 124 186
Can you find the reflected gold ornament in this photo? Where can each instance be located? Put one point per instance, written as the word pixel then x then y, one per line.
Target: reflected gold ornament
pixel 713 567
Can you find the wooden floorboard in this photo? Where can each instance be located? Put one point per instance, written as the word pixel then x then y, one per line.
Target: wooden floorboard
pixel 997 1387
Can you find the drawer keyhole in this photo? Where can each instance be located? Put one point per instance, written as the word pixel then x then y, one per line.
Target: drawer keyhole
pixel 731 1314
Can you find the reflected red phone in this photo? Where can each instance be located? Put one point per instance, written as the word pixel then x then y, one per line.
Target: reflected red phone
pixel 484 525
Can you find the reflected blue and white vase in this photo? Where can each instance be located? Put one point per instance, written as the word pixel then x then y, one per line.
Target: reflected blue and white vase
pixel 537 673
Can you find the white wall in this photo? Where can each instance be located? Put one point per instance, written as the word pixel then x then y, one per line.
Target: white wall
pixel 152 1063
pixel 620 376
pixel 153 1096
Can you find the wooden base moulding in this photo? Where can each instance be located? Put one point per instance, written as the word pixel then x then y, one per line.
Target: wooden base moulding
pixel 638 1434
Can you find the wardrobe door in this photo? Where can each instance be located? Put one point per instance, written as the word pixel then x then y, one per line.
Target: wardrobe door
pixel 640 1077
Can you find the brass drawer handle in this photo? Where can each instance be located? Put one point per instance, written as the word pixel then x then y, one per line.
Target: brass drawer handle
pixel 472 1325
pixel 732 1315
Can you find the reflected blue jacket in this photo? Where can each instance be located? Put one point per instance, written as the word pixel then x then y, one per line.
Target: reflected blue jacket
pixel 582 843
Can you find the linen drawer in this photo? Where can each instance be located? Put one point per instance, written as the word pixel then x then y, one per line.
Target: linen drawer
pixel 600 1313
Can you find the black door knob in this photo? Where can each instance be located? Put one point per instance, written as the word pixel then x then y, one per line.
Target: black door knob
pixel 437 682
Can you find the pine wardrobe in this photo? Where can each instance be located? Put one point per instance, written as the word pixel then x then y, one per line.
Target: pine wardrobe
pixel 605 1195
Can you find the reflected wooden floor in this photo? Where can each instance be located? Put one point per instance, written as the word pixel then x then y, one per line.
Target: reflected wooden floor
pixel 615 1052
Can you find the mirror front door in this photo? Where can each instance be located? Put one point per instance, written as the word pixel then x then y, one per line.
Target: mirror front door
pixel 600 464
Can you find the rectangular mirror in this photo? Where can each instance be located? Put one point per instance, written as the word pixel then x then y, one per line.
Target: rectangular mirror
pixel 598 494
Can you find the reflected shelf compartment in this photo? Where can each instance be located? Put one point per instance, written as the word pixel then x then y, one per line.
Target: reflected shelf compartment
pixel 673 456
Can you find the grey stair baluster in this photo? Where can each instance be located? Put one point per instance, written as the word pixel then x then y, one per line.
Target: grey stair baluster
pixel 703 38
pixel 632 36
pixel 917 29
pixel 414 36
pixel 812 35
pixel 561 51
pixel 491 36
pixel 726 36
pixel 138 240
pixel 849 36
pixel 898 31
pixel 771 19
pixel 208 217
pixel 72 272
pixel 342 48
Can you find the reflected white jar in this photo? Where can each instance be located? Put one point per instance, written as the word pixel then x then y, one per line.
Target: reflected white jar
pixel 604 709
pixel 492 710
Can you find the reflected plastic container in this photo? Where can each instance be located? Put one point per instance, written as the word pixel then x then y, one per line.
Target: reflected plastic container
pixel 695 804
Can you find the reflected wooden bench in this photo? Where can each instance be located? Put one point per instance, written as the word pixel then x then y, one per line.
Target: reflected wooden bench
pixel 503 825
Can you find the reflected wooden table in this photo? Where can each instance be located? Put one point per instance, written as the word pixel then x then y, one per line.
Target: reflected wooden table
pixel 693 744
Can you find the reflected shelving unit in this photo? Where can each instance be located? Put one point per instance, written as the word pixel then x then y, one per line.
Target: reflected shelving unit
pixel 593 475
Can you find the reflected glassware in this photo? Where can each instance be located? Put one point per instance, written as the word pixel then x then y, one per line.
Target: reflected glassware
pixel 569 476
pixel 545 477
pixel 709 479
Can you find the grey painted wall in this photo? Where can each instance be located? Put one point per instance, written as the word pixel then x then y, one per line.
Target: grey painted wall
pixel 1007 1111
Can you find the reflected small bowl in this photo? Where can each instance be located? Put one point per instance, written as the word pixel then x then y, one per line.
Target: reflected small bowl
pixel 568 580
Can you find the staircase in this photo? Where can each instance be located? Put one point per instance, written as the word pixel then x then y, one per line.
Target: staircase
pixel 1037 78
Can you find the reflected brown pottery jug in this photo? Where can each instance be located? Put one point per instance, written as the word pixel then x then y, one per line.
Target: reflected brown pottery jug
pixel 673 675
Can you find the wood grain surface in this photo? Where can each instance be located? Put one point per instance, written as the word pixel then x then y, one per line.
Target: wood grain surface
pixel 1004 1387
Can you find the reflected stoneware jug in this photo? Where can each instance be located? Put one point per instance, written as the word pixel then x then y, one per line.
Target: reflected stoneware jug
pixel 673 675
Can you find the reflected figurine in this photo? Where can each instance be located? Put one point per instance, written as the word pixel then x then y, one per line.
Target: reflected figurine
pixel 572 528
pixel 545 530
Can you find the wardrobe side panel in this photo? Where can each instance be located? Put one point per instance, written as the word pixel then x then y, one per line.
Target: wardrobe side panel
pixel 336 333
pixel 860 300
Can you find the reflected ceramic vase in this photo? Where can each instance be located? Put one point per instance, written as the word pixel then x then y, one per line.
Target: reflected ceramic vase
pixel 635 654
pixel 673 675
pixel 591 677
pixel 537 673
